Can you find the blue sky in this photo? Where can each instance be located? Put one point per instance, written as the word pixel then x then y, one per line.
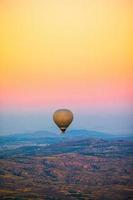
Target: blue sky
pixel 109 122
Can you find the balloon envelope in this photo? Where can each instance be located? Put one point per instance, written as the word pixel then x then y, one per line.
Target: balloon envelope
pixel 63 118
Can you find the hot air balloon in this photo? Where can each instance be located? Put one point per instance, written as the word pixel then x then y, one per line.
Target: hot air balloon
pixel 63 118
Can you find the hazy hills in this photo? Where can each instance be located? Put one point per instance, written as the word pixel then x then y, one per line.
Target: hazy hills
pixel 41 137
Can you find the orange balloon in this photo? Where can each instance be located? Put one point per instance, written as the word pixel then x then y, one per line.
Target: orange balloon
pixel 63 118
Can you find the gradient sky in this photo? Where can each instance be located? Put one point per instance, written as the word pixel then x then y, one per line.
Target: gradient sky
pixel 66 53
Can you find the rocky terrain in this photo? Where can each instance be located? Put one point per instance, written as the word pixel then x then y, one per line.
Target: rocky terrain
pixel 85 169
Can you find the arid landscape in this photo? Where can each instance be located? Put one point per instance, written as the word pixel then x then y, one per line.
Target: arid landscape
pixel 83 169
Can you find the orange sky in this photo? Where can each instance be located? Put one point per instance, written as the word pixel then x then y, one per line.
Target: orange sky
pixel 66 53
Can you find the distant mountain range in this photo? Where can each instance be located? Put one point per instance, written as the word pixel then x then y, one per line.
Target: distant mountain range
pixel 45 137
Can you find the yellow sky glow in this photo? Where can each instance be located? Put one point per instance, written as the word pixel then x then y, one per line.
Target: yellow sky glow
pixel 82 46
